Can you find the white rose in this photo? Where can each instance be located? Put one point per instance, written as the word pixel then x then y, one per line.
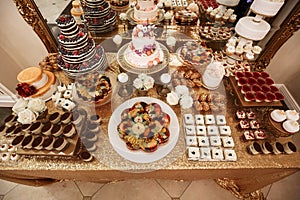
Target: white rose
pixel 182 90
pixel 37 105
pixel 186 102
pixel 148 83
pixel 123 16
pixel 20 105
pixel 172 98
pixel 138 83
pixel 140 34
pixel 26 116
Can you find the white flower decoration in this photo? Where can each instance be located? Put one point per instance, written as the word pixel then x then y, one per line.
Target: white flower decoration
pixel 26 116
pixel 143 82
pixel 186 102
pixel 172 98
pixel 37 105
pixel 20 105
pixel 182 90
pixel 123 16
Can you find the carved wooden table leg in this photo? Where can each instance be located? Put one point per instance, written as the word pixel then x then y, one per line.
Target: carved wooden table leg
pixel 231 186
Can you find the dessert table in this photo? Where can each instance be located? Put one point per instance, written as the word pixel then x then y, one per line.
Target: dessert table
pixel 244 177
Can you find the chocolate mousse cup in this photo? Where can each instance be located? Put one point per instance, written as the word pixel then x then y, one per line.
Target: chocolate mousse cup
pixel 37 143
pixel 66 118
pixel 46 130
pixel 18 140
pixel 254 148
pixel 267 148
pixel 27 142
pixel 278 148
pixel 48 143
pixel 289 148
pixel 54 118
pixel 36 127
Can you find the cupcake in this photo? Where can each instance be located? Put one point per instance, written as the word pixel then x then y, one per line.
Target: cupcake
pixel 292 115
pixel 36 127
pixel 66 118
pixel 46 130
pixel 278 115
pixel 37 143
pixel 86 156
pixel 60 144
pixel 27 142
pixel 18 140
pixel 290 126
pixel 56 130
pixel 48 143
pixel 69 130
pixel 54 118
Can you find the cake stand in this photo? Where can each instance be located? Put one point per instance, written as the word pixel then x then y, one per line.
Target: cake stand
pixel 134 21
pixel 125 66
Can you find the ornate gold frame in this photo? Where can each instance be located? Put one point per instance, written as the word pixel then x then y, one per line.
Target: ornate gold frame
pixel 32 15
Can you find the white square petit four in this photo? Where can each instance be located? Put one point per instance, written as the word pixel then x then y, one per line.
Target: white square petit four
pixel 225 130
pixel 205 153
pixel 203 141
pixel 210 119
pixel 56 95
pixel 60 102
pixel 68 94
pixel 190 130
pixel 221 120
pixel 201 130
pixel 70 86
pixel 217 154
pixel 199 119
pixel 193 153
pixel 215 141
pixel 61 88
pixel 191 141
pixel 228 142
pixel 212 130
pixel 188 119
pixel 230 155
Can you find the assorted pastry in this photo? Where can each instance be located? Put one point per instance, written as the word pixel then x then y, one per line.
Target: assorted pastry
pixel 144 126
pixel 211 101
pixel 50 62
pixel 186 17
pixel 187 75
pixel 208 138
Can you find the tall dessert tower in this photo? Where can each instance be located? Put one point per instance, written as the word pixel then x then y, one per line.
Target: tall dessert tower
pixel 99 16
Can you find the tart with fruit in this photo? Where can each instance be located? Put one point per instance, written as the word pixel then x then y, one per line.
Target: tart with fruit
pixel 144 126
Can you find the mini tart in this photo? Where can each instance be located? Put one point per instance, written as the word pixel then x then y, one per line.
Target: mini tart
pixel 279 96
pixel 261 81
pixel 86 156
pixel 278 115
pixel 251 81
pixel 37 143
pixel 56 130
pixel 269 81
pixel 54 118
pixel 290 126
pixel 48 143
pixel 4 147
pixel 36 127
pixel 260 97
pixel 18 140
pixel 5 156
pixel 14 156
pixel 66 117
pixel 69 130
pixel 245 89
pixel 242 81
pixel 292 115
pixel 256 74
pixel 274 88
pixel 27 142
pixel 270 97
pixel 46 130
pixel 265 88
pixel 60 144
pixel 249 96
pixel 239 75
pixel 95 119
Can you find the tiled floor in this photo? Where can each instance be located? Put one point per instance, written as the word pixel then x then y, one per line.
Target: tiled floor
pixel 286 189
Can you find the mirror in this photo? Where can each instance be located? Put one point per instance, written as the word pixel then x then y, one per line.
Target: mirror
pixel 284 24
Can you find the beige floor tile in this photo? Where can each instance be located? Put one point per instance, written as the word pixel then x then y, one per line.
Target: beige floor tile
pixel 88 188
pixel 288 188
pixel 132 190
pixel 206 190
pixel 59 191
pixel 6 186
pixel 173 187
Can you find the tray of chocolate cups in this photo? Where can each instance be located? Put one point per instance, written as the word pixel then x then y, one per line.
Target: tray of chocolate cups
pixel 250 125
pixel 275 148
pixel 52 135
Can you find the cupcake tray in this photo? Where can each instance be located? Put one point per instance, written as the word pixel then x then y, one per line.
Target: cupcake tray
pixel 69 151
pixel 245 103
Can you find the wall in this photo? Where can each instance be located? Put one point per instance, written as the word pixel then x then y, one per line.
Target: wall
pixel 285 66
pixel 20 46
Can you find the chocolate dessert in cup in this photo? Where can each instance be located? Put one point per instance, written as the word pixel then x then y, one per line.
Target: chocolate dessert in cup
pixel 48 143
pixel 10 120
pixel 266 148
pixel 69 130
pixel 60 144
pixel 56 130
pixel 86 156
pixel 46 130
pixel 278 148
pixel 36 127
pixel 18 140
pixel 66 118
pixel 254 148
pixel 54 118
pixel 27 142
pixel 37 143
pixel 289 148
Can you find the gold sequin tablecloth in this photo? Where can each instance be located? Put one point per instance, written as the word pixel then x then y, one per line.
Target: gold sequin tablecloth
pixel 248 174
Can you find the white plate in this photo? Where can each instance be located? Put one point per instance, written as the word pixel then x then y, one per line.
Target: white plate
pixel 140 156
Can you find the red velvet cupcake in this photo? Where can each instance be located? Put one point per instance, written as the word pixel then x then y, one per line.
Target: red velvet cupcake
pixel 265 88
pixel 270 97
pixel 255 88
pixel 245 88
pixel 269 81
pixel 249 96
pixel 279 96
pixel 260 96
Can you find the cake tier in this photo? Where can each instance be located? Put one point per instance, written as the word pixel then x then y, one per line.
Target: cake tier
pixel 248 28
pixel 142 60
pixel 228 2
pixel 145 15
pixel 68 26
pixel 100 10
pixel 30 75
pixel 78 55
pixel 266 7
pixel 51 79
pixel 80 41
pixel 95 3
pixel 145 5
pixel 102 25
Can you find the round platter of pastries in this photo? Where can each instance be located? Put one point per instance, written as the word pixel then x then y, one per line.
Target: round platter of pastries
pixel 94 88
pixel 143 54
pixel 143 130
pixel 35 82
